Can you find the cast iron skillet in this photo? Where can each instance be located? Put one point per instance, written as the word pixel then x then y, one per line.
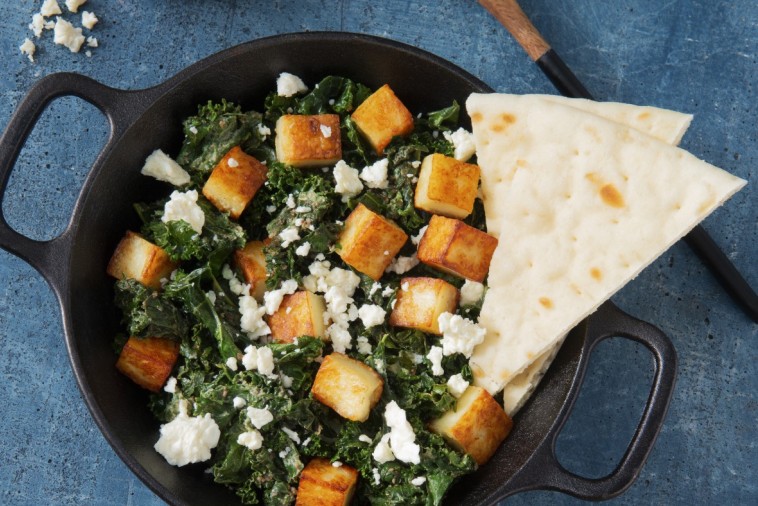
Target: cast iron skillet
pixel 140 121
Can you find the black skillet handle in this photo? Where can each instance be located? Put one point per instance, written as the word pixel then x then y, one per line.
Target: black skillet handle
pixel 120 107
pixel 543 471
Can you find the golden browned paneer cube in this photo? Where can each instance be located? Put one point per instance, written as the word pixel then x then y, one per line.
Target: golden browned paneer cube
pixel 369 242
pixel 420 302
pixel 322 484
pixel 446 186
pixel 148 361
pixel 456 248
pixel 300 314
pixel 252 262
pixel 308 141
pixel 476 426
pixel 234 182
pixel 381 117
pixel 349 387
pixel 137 258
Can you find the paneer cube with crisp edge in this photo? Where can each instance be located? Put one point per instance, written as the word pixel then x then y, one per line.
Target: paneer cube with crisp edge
pixel 137 258
pixel 446 186
pixel 308 141
pixel 369 242
pixel 299 314
pixel 252 262
pixel 420 302
pixel 456 248
pixel 322 484
pixel 148 361
pixel 349 387
pixel 476 426
pixel 234 182
pixel 381 117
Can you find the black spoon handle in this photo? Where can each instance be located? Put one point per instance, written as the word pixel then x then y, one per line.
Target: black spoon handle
pixel 509 13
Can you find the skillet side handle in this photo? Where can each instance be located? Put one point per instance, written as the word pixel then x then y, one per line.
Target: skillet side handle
pixel 545 472
pixel 47 256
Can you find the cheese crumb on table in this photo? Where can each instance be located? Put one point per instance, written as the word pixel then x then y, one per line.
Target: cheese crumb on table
pixel 50 8
pixel 67 35
pixel 28 48
pixel 73 5
pixel 89 20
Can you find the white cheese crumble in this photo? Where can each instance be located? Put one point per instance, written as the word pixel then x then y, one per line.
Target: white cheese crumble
pixel 456 385
pixel 463 143
pixel 264 131
pixel 73 5
pixel 67 35
pixel 387 292
pixel 266 362
pixel 303 249
pixel 92 42
pixel 273 299
pixel 238 402
pixel 259 417
pixel 188 439
pixel 170 386
pixel 471 292
pixel 50 8
pixel 183 207
pixel 435 357
pixel 404 287
pixel 401 265
pixel 363 438
pixel 348 183
pixel 382 452
pixel 336 463
pixel 250 358
pixel 211 296
pixel 37 25
pixel 163 168
pixel 371 315
pixel 89 20
pixel 303 209
pixel 375 175
pixel 459 335
pixel 251 439
pixel 291 434
pixel 418 481
pixel 233 163
pixel 377 478
pixel 401 435
pixel 290 201
pixel 326 131
pixel 374 288
pixel 270 209
pixel 288 85
pixel 235 285
pixel 28 48
pixel 288 236
pixel 363 346
pixel 231 363
pixel 415 239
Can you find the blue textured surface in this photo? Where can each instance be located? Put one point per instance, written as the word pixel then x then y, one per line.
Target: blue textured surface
pixel 694 56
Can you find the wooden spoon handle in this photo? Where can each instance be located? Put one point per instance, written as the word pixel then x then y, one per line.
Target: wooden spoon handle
pixel 509 13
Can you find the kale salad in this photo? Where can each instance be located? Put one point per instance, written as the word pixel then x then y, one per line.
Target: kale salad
pixel 300 311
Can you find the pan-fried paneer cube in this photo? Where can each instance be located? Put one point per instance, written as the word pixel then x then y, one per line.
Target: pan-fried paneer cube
pixel 476 426
pixel 369 242
pixel 137 258
pixel 323 484
pixel 308 141
pixel 349 387
pixel 148 361
pixel 446 186
pixel 299 314
pixel 252 262
pixel 234 182
pixel 420 302
pixel 381 117
pixel 456 248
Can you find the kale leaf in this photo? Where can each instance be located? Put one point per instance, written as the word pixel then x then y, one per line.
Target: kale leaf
pixel 147 313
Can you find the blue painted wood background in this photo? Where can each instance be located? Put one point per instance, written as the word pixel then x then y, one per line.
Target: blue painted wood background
pixel 697 56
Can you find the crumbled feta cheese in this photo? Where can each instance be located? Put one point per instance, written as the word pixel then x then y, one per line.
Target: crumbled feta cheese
pixel 377 478
pixel 340 337
pixel 193 130
pixel 374 288
pixel 232 162
pixel 89 20
pixel 211 296
pixel 303 209
pixel 415 239
pixel 270 209
pixel 37 25
pixel 188 439
pixel 387 292
pixel 435 357
pixel 363 438
pixel 288 85
pixel 183 207
pixel 250 358
pixel 264 131
pixel 463 143
pixel 266 362
pixel 401 436
pixel 28 48
pixel 404 287
pixel 259 417
pixel 303 249
pixel 375 175
pixel 235 285
pixel 286 380
pixel 371 315
pixel 290 201
pixel 273 299
pixel 231 363
pixel 382 452
pixel 298 222
pixel 73 5
pixel 238 402
pixel 363 346
pixel 401 265
pixel 50 8
pixel 291 434
pixel 471 292
pixel 348 183
pixel 170 386
pixel 456 385
pixel 283 454
pixel 418 481
pixel 459 335
pixel 288 236
pixel 417 358
pixel 336 463
pixel 251 439
pixel 252 321
pixel 67 35
pixel 306 442
pixel 415 164
pixel 88 53
pixel 326 131
pixel 163 168
pixel 379 365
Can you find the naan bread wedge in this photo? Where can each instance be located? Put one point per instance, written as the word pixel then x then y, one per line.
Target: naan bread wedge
pixel 590 203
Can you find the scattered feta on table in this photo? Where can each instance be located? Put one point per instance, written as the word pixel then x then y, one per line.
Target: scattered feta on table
pixel 28 48
pixel 73 5
pixel 67 35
